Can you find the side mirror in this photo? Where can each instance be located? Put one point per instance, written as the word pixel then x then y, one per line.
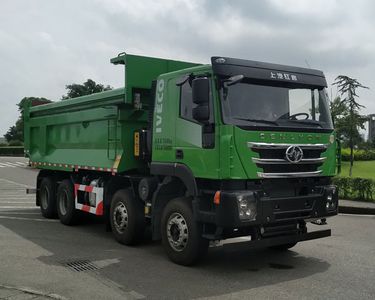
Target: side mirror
pixel 201 90
pixel 201 97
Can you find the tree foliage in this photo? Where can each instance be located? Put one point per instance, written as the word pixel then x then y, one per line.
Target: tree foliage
pixel 338 109
pixel 342 120
pixel 14 134
pixel 345 112
pixel 87 88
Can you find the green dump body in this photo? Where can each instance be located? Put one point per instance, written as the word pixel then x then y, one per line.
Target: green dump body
pixel 95 132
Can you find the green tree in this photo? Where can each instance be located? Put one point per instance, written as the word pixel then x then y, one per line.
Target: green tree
pixel 15 133
pixel 352 120
pixel 338 109
pixel 87 88
pixel 341 118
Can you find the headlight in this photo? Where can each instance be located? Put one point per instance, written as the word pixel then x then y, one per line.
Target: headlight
pixel 247 210
pixel 331 203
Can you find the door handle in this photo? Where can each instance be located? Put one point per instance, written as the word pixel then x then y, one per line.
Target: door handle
pixel 179 154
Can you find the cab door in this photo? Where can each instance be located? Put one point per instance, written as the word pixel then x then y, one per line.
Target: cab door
pixel 196 140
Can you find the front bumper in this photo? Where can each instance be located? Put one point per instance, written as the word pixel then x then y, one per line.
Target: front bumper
pixel 273 210
pixel 280 240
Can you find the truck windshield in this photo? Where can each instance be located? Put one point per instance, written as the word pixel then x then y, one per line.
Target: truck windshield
pixel 248 104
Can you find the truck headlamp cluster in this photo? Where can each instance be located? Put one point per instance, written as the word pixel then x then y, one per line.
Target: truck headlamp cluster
pixel 330 197
pixel 247 209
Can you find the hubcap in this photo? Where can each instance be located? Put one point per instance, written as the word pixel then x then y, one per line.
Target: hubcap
pixel 120 217
pixel 63 203
pixel 44 198
pixel 177 232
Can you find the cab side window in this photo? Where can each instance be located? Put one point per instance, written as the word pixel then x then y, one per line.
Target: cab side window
pixel 186 112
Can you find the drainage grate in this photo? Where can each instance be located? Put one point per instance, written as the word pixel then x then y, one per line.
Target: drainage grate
pixel 81 265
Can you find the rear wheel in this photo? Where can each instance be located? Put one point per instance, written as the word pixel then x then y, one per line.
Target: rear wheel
pixel 181 235
pixel 47 198
pixel 66 210
pixel 127 217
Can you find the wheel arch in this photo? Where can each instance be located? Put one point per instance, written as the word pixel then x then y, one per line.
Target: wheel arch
pixel 180 171
pixel 169 188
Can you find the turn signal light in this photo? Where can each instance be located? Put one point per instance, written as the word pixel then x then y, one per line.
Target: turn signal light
pixel 136 144
pixel 217 198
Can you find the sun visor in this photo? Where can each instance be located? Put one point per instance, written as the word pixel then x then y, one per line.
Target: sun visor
pixel 224 66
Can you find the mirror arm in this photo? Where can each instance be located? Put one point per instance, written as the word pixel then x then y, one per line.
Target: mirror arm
pixel 180 81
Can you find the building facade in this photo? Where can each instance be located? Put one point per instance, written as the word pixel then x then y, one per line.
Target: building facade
pixel 371 127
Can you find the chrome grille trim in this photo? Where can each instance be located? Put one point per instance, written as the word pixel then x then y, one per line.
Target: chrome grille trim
pixel 278 161
pixel 289 175
pixel 259 145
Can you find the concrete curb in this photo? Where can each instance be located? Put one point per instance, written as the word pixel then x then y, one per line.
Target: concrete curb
pixel 356 210
pixel 356 207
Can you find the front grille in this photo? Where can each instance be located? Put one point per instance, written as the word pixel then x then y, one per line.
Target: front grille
pixel 272 160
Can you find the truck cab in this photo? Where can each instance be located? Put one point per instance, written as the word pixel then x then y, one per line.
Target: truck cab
pixel 252 144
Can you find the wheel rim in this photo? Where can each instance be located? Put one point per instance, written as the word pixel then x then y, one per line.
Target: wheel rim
pixel 177 232
pixel 44 198
pixel 120 217
pixel 63 203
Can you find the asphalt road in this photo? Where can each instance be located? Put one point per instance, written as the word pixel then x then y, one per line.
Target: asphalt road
pixel 85 262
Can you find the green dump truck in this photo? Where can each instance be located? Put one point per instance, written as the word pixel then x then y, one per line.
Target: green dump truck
pixel 197 153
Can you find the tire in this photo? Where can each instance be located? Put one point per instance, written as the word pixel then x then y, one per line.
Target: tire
pixel 127 218
pixel 47 198
pixel 183 249
pixel 66 210
pixel 283 247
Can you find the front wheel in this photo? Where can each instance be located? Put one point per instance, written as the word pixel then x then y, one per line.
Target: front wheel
pixel 181 235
